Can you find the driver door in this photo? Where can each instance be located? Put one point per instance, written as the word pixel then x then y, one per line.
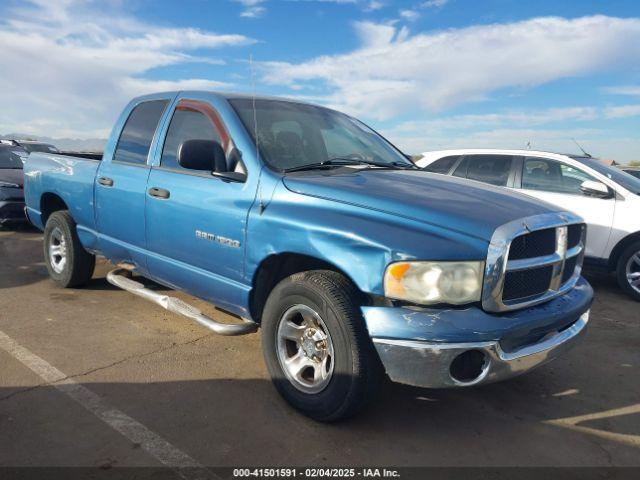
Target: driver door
pixel 195 221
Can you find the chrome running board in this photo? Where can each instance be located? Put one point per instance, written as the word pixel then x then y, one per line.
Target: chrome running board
pixel 118 278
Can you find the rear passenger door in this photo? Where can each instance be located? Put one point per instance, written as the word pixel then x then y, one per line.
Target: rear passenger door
pixel 121 184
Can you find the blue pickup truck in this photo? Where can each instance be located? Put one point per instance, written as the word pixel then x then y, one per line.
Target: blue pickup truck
pixel 305 222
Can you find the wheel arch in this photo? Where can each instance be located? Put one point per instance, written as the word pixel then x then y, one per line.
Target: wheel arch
pixel 621 247
pixel 278 266
pixel 50 203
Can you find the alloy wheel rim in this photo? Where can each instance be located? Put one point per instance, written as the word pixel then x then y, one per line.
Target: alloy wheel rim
pixel 633 271
pixel 57 250
pixel 305 349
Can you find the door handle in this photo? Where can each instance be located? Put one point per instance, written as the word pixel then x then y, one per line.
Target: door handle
pixel 106 181
pixel 159 192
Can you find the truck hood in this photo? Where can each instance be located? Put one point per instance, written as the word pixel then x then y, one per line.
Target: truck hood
pixel 462 205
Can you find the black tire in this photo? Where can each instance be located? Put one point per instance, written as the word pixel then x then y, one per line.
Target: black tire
pixel 356 367
pixel 621 270
pixel 79 264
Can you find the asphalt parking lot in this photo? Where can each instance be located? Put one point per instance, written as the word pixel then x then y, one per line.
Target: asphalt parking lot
pixel 98 377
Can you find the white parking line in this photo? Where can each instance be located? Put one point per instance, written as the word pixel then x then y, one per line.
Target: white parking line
pixel 573 423
pixel 136 432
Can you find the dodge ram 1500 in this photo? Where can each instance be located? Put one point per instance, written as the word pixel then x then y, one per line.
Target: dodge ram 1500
pixel 305 222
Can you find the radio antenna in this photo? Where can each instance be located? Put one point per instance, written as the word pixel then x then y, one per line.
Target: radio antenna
pixel 253 100
pixel 582 149
pixel 255 127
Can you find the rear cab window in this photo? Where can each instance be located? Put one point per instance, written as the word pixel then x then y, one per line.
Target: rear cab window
pixel 138 131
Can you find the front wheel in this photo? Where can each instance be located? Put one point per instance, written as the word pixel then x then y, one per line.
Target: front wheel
pixel 316 347
pixel 68 263
pixel 628 270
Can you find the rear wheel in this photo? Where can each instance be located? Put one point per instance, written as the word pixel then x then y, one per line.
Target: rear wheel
pixel 628 270
pixel 316 347
pixel 68 263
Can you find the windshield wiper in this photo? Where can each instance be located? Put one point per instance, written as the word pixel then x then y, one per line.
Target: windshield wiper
pixel 358 161
pixel 342 161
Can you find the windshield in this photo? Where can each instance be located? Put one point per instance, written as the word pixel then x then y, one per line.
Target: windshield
pixel 292 135
pixel 621 178
pixel 11 157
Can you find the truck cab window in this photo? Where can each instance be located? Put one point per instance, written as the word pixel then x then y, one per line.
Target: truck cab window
pixel 186 124
pixel 442 165
pixel 493 169
pixel 137 133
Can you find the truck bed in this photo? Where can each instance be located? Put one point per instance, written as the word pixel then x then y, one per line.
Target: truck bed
pixel 70 178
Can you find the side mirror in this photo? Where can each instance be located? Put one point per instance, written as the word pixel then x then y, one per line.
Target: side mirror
pixel 206 155
pixel 592 188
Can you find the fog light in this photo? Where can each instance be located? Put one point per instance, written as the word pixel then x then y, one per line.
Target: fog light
pixel 468 366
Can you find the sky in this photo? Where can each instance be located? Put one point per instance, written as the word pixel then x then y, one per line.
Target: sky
pixel 428 74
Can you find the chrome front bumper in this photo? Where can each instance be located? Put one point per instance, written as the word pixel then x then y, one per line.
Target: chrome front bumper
pixel 429 365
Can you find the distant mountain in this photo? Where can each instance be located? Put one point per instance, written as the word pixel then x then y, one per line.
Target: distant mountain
pixel 75 144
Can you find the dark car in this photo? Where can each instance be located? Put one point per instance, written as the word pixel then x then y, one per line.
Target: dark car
pixel 35 146
pixel 635 171
pixel 11 183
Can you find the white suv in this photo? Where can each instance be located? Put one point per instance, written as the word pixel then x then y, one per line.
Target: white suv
pixel 606 197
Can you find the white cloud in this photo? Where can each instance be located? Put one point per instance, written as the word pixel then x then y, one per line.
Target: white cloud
pixel 434 3
pixel 252 8
pixel 374 5
pixel 521 118
pixel 410 15
pixel 599 142
pixel 632 90
pixel 622 111
pixel 394 72
pixel 74 65
pixel 366 5
pixel 544 129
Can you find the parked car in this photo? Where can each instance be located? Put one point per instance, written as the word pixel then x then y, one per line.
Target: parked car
pixel 31 145
pixel 11 182
pixel 305 222
pixel 634 171
pixel 607 198
pixel 36 146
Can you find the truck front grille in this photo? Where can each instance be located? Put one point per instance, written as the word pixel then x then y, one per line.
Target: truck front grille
pixel 534 244
pixel 574 236
pixel 526 283
pixel 533 260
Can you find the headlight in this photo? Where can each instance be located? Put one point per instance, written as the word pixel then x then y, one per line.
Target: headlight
pixel 455 283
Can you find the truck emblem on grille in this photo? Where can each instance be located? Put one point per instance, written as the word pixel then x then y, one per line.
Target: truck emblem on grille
pixel 212 237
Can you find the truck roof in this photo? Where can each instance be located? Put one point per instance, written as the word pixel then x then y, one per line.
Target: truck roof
pixel 229 96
